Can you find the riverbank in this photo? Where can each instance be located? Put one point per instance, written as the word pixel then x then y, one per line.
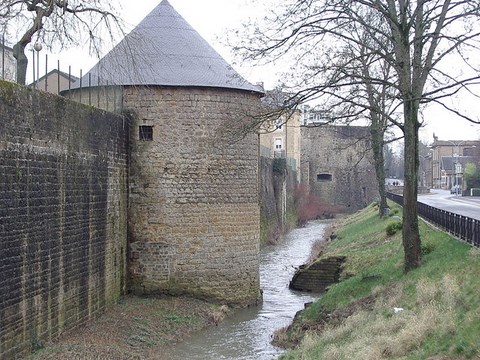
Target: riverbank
pixel 378 312
pixel 135 328
pixel 167 328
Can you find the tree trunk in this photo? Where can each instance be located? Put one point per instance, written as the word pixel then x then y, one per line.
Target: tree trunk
pixel 22 62
pixel 378 158
pixel 411 233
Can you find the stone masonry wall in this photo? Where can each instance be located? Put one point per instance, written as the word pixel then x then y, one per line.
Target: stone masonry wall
pixel 268 204
pixel 63 225
pixel 276 200
pixel 318 275
pixel 338 165
pixel 194 207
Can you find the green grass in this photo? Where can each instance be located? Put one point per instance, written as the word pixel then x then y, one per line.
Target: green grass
pixel 355 319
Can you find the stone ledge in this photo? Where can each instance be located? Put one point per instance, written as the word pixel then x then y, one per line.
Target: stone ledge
pixel 317 276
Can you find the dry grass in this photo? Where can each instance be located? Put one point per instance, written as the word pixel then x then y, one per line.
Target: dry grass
pixel 440 304
pixel 381 333
pixel 137 328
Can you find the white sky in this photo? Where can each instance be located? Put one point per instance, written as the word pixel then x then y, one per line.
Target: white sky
pixel 212 19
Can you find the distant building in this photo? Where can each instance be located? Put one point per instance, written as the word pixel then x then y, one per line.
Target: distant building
pixel 280 137
pixel 446 153
pixel 54 82
pixel 452 171
pixel 8 68
pixel 426 171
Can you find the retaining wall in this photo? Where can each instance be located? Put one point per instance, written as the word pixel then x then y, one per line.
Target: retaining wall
pixel 63 225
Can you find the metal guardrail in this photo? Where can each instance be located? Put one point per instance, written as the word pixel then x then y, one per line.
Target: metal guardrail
pixel 462 227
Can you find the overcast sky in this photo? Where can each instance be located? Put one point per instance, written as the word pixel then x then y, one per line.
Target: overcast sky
pixel 212 19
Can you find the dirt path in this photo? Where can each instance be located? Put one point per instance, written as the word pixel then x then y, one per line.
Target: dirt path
pixel 135 328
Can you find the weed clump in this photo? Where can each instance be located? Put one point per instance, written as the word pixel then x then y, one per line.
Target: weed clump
pixel 393 211
pixel 393 227
pixel 427 248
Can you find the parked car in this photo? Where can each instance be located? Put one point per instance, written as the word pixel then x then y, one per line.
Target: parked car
pixel 455 189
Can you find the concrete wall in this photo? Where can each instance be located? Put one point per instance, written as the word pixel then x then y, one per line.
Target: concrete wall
pixel 62 215
pixel 337 165
pixel 108 98
pixel 194 206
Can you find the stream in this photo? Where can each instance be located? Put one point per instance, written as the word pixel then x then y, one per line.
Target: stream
pixel 247 334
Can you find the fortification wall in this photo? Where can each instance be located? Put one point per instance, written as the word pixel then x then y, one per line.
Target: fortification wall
pixel 194 206
pixel 277 200
pixel 267 193
pixel 338 165
pixel 63 225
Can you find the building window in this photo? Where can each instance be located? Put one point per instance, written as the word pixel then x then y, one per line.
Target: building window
pixel 145 133
pixel 324 177
pixel 278 143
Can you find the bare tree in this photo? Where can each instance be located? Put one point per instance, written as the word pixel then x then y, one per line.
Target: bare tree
pixel 57 23
pixel 369 80
pixel 416 40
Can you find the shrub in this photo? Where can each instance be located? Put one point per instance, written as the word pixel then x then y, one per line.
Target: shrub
pixel 427 248
pixel 310 207
pixel 279 166
pixel 393 227
pixel 393 211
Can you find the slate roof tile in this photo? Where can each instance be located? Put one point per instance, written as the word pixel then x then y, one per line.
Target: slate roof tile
pixel 165 50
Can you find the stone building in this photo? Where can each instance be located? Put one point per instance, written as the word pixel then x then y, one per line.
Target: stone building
pixel 193 198
pixel 280 138
pixel 280 135
pixel 337 165
pixel 448 160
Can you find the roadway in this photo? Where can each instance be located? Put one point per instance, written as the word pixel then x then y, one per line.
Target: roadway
pixel 462 205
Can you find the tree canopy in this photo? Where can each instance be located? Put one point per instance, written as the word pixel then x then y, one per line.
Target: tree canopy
pixel 340 47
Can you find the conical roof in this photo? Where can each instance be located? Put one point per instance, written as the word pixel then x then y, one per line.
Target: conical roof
pixel 165 50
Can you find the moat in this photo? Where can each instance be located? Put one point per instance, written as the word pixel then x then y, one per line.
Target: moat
pixel 247 335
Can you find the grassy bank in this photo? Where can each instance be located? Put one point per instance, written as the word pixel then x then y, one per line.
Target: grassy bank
pixel 378 312
pixel 135 328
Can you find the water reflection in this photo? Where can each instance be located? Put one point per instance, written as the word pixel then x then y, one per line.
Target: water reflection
pixel 247 335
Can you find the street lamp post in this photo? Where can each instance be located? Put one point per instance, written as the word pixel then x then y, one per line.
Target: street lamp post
pixel 38 47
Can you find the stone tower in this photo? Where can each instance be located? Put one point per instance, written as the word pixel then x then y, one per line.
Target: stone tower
pixel 193 197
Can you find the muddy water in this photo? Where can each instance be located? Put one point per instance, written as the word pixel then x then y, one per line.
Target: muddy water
pixel 247 335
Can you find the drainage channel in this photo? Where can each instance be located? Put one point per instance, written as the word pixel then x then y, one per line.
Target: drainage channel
pixel 247 334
